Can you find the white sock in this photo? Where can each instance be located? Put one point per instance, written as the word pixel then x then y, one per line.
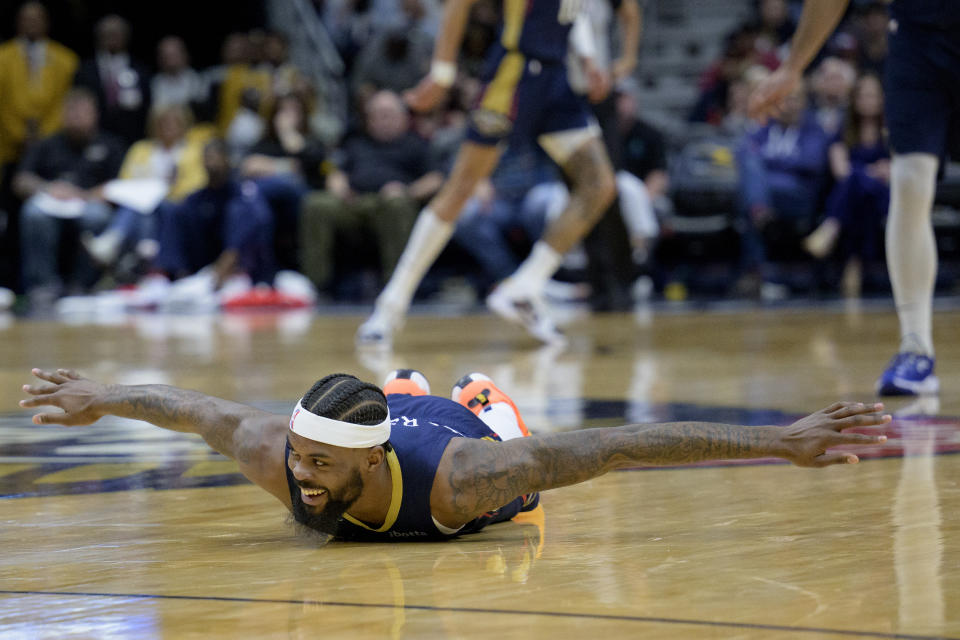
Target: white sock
pixel 429 236
pixel 912 248
pixel 502 420
pixel 542 263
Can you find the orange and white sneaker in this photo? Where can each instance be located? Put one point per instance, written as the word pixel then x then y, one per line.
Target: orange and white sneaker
pixel 407 381
pixel 478 393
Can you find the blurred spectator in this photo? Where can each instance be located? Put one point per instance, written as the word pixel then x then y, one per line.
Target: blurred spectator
pixel 287 78
pixel 288 148
pixel 227 226
pixel 644 156
pixel 830 86
pixel 60 179
pixel 392 61
pixel 477 39
pixel 247 126
pixel 870 29
pixel 857 206
pixel 383 176
pixel 774 25
pixel 233 50
pixel 781 170
pixel 644 150
pixel 286 162
pixel 121 84
pixel 35 75
pixel 176 83
pixel 244 91
pixel 736 121
pixel 740 52
pixel 421 15
pixel 350 25
pixel 174 154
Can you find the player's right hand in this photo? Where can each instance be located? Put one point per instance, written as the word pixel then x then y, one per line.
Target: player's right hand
pixel 426 96
pixel 78 397
pixel 768 96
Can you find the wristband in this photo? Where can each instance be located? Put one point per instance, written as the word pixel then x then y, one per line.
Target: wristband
pixel 443 73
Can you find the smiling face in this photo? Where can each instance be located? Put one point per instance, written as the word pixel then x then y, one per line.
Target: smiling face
pixel 330 480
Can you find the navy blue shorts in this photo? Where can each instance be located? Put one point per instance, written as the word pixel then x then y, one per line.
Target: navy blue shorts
pixel 524 98
pixel 922 90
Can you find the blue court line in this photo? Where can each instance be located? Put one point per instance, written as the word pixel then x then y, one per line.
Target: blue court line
pixel 514 612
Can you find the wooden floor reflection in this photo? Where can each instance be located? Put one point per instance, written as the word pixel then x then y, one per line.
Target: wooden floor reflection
pixel 123 531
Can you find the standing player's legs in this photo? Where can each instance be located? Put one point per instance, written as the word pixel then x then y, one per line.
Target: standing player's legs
pixel 581 155
pixel 912 248
pixel 912 264
pixel 501 105
pixel 429 236
pixel 918 109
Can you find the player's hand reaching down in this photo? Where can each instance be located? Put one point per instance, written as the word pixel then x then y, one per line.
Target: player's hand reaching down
pixel 806 441
pixel 426 96
pixel 78 397
pixel 767 97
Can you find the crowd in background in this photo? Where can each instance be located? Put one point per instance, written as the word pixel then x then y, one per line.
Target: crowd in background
pixel 818 172
pixel 118 170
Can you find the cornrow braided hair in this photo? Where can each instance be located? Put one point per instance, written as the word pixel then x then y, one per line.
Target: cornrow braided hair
pixel 341 396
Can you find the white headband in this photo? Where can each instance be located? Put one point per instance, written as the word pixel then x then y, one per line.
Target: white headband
pixel 339 434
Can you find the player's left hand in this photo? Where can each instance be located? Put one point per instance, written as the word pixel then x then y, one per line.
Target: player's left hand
pixel 768 96
pixel 805 442
pixel 77 396
pixel 426 96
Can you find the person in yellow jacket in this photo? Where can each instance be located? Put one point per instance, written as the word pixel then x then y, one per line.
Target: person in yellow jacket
pixel 35 75
pixel 172 153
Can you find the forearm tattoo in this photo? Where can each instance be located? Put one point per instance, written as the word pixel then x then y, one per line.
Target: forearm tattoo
pixel 182 410
pixel 489 475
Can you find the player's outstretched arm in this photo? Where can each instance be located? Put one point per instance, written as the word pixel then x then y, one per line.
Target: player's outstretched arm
pixel 484 475
pixel 254 438
pixel 817 21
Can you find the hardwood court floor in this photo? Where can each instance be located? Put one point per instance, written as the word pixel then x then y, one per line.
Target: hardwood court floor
pixel 122 530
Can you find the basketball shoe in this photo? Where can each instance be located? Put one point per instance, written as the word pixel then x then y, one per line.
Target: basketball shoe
pixel 527 309
pixel 478 393
pixel 378 329
pixel 408 381
pixel 908 374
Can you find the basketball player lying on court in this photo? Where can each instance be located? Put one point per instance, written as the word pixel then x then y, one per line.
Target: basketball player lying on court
pixel 399 464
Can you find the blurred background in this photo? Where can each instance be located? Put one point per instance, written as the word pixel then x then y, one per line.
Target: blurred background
pixel 143 143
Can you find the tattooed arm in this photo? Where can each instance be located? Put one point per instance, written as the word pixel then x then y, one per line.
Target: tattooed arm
pixel 254 438
pixel 476 476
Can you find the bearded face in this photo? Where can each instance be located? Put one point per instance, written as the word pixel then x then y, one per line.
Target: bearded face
pixel 322 511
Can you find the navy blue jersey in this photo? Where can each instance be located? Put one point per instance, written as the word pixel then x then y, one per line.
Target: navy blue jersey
pixel 922 79
pixel 940 14
pixel 421 428
pixel 538 28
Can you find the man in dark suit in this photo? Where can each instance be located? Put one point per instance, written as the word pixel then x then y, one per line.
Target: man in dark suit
pixel 121 84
